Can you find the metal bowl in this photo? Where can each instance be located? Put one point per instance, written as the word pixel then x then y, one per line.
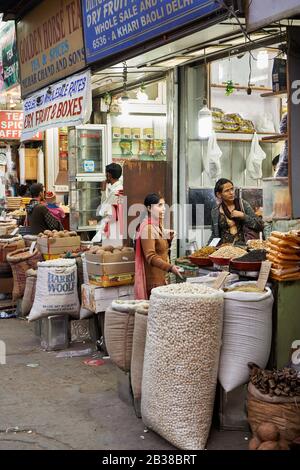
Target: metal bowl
pixel 201 261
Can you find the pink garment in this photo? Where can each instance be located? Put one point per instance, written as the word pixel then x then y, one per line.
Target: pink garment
pixel 140 285
pixel 57 212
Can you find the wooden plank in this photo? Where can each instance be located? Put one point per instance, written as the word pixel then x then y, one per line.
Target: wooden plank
pixel 273 94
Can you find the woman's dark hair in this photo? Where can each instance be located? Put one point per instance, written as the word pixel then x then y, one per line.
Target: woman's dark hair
pixel 152 199
pixel 220 185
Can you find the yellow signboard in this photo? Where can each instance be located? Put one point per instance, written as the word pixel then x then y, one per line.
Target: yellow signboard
pixel 50 44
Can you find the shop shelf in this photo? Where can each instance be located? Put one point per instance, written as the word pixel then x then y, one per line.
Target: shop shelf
pixel 240 87
pixel 275 137
pixel 273 94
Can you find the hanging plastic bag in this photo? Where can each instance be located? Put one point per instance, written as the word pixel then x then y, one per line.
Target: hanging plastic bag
pixel 255 159
pixel 212 164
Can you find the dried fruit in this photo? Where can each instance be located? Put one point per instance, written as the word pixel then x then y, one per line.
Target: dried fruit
pixel 269 445
pixel 268 432
pixel 254 443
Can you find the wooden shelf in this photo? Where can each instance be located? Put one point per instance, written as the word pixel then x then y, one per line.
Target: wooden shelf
pixel 275 138
pixel 240 87
pixel 273 94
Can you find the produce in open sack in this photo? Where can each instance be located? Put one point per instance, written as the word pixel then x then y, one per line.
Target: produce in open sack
pixel 56 289
pixel 247 332
pixel 20 261
pixel 181 362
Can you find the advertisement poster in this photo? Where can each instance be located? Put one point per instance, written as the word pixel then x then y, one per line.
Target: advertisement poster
pixel 111 27
pixel 50 44
pixel 9 66
pixel 11 124
pixel 65 103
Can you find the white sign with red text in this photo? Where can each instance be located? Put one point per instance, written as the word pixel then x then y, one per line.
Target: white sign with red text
pixel 65 103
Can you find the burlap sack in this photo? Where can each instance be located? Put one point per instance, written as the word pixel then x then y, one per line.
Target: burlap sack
pixel 8 244
pixel 138 351
pixel 28 298
pixel 20 261
pixel 118 333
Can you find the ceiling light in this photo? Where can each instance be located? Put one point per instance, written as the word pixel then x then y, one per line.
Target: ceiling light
pixel 124 102
pixel 205 122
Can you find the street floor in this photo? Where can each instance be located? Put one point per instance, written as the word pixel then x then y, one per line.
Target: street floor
pixel 48 402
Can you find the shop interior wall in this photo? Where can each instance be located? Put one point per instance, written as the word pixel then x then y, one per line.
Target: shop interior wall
pixel 198 186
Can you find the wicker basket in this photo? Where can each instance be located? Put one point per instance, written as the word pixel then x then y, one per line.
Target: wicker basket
pixel 286 415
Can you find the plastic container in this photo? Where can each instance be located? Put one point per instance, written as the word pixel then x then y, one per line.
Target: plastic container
pixel 276 199
pixel 55 332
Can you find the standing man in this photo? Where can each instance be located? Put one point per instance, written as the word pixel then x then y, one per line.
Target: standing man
pixel 111 210
pixel 39 218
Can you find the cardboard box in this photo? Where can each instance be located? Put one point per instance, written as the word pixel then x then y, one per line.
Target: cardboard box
pixel 111 269
pixel 98 299
pixel 57 246
pixel 110 263
pixel 6 285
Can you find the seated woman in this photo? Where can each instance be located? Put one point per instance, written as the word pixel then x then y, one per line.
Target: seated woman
pixel 233 220
pixel 152 249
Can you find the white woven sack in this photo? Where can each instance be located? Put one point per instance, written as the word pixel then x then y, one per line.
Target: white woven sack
pixel 56 289
pixel 247 335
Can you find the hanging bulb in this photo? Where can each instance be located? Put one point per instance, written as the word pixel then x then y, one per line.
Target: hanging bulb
pixel 125 105
pixel 262 60
pixel 205 122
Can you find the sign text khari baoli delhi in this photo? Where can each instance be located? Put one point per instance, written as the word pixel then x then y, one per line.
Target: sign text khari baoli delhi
pixel 113 13
pixel 112 25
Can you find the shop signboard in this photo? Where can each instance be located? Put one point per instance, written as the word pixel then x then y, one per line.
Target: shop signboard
pixel 65 103
pixel 50 44
pixel 261 14
pixel 112 27
pixel 9 66
pixel 11 124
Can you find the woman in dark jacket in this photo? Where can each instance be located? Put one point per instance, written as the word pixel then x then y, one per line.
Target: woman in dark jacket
pixel 233 220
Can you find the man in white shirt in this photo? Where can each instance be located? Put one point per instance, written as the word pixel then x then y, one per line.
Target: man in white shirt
pixel 111 226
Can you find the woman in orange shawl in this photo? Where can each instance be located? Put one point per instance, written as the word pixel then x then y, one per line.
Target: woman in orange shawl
pixel 152 249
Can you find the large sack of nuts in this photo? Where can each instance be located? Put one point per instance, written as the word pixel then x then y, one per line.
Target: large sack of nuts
pixel 56 289
pixel 181 362
pixel 284 412
pixel 118 331
pixel 29 294
pixel 20 261
pixel 138 350
pixel 9 243
pixel 247 333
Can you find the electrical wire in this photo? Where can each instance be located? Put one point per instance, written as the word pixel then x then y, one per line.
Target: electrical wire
pixel 231 11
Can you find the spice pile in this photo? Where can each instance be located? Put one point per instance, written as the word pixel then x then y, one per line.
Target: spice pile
pixel 253 256
pixel 204 252
pixel 257 244
pixel 280 383
pixel 229 252
pixel 284 253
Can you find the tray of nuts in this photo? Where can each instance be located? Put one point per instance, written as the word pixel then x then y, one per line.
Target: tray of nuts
pixel 201 257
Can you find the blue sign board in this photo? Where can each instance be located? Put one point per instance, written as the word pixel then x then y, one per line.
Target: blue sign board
pixel 112 26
